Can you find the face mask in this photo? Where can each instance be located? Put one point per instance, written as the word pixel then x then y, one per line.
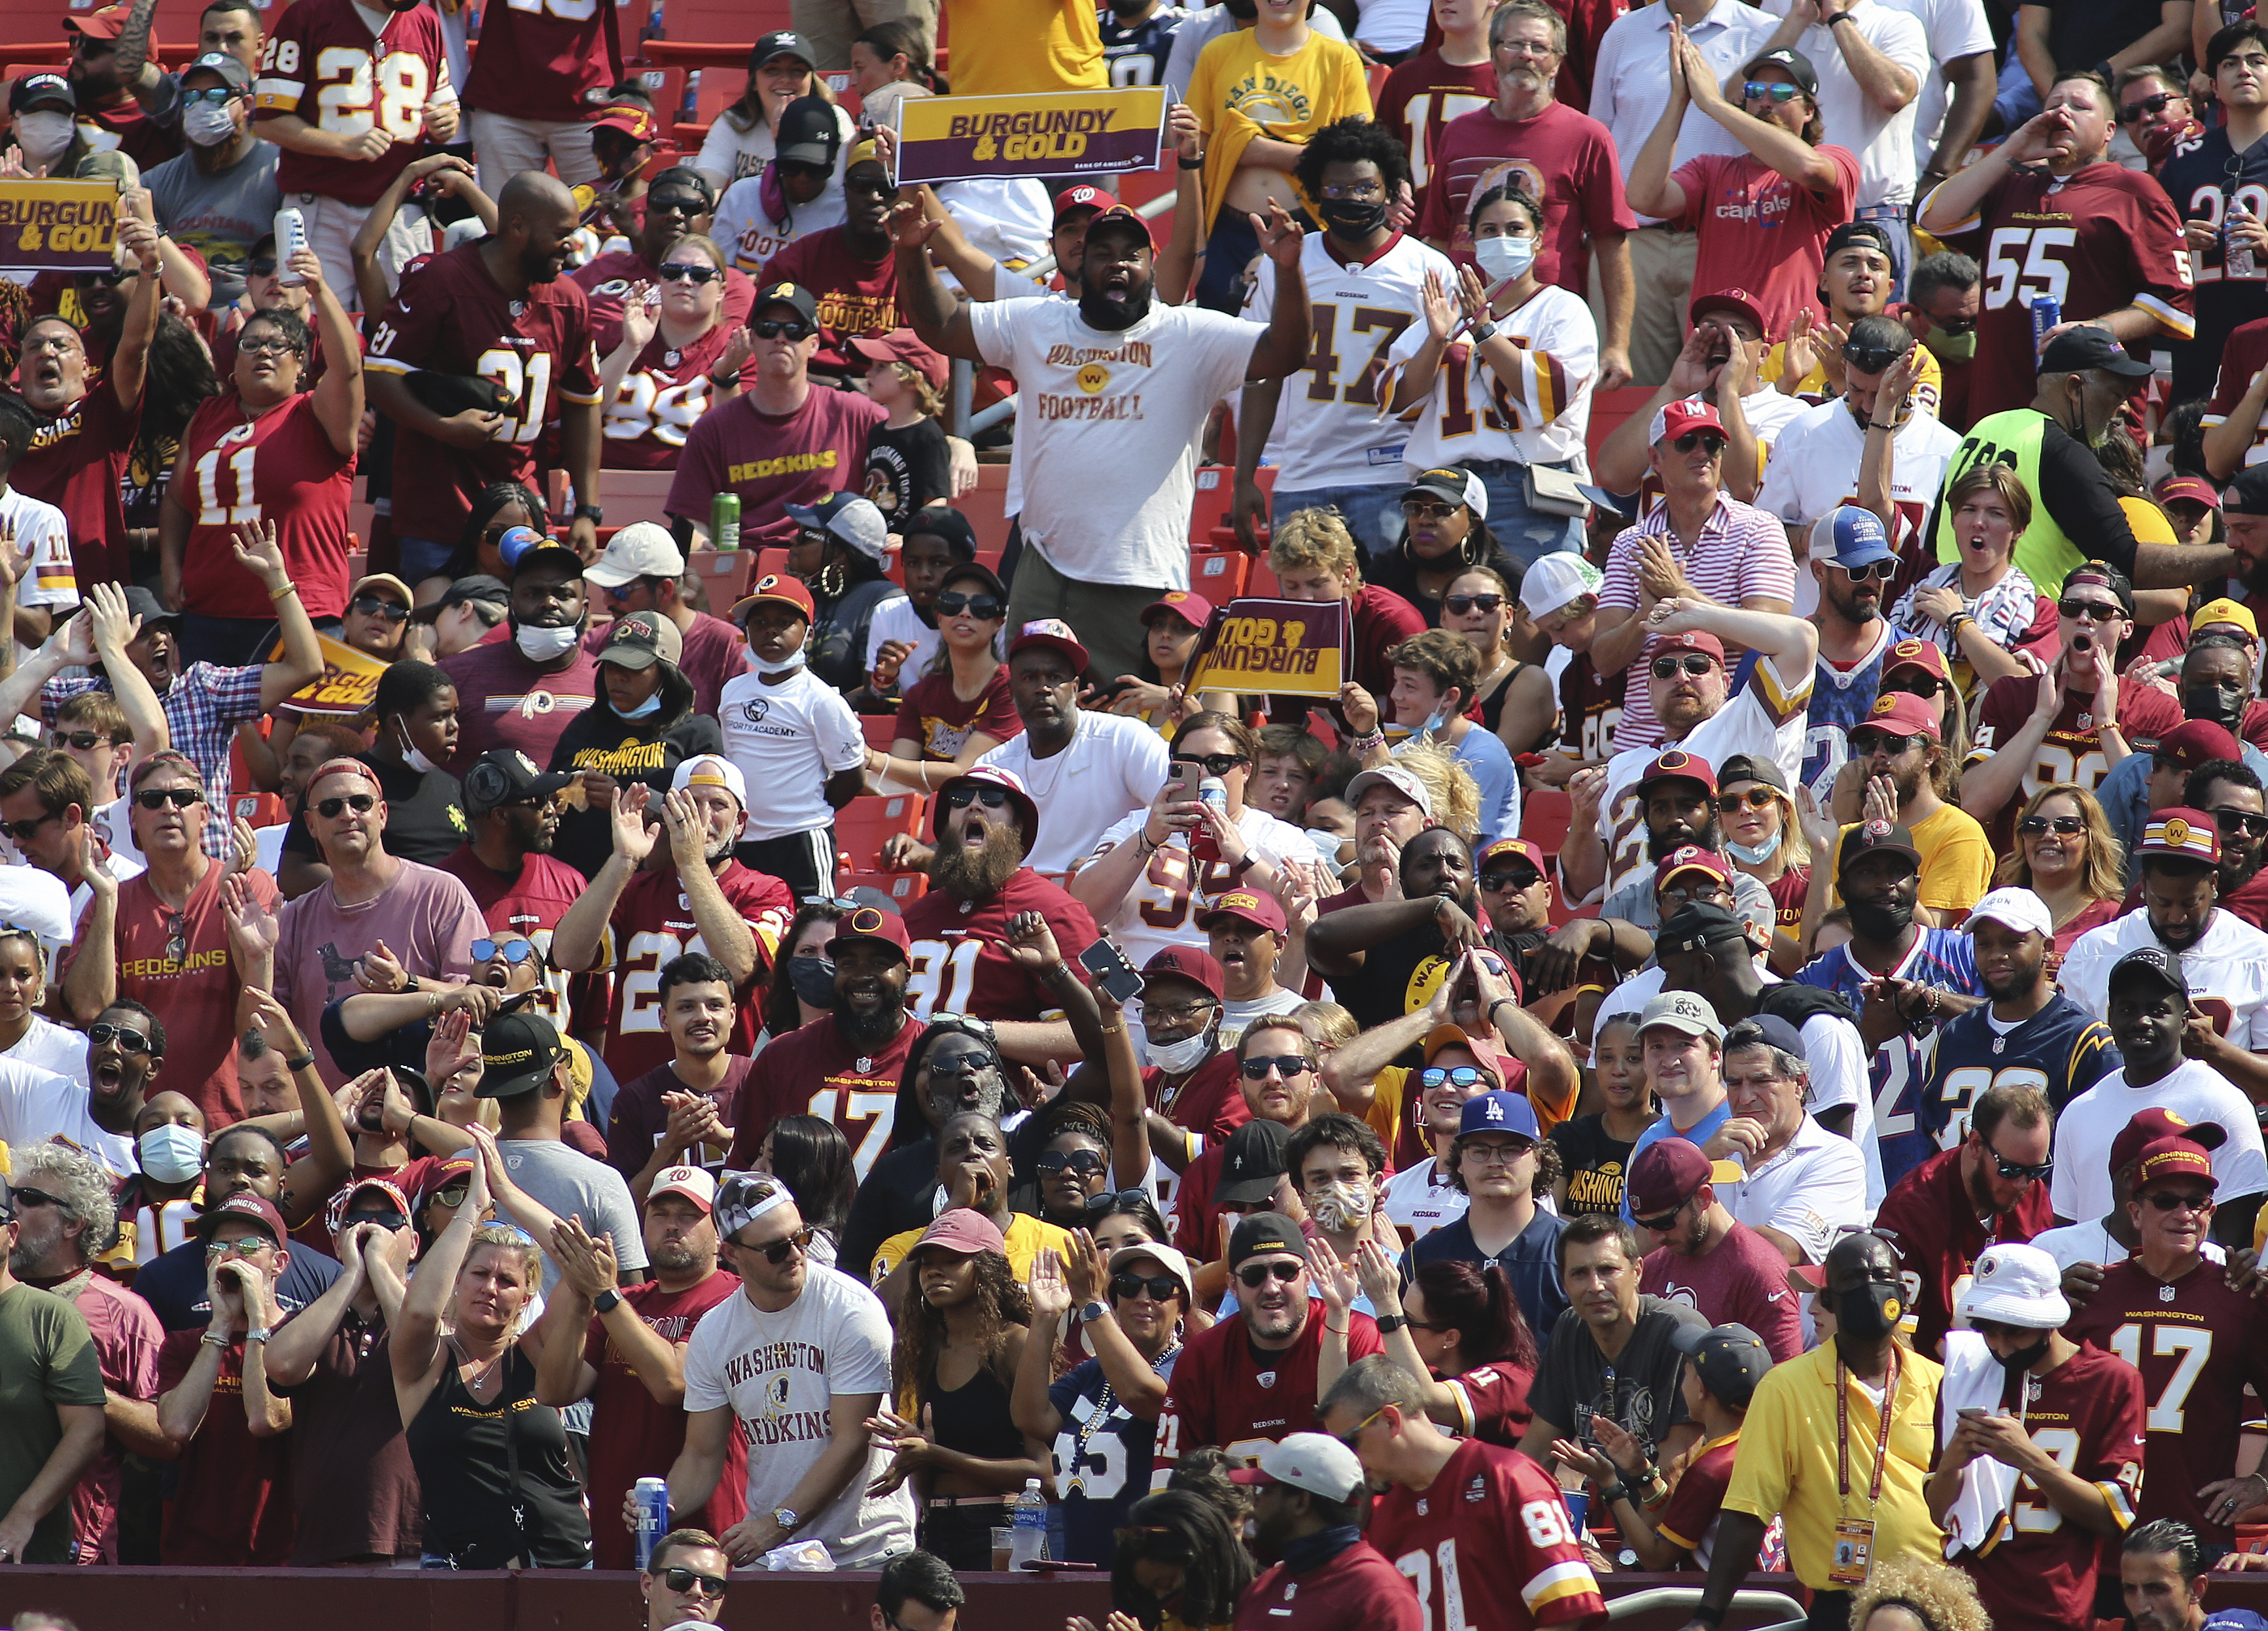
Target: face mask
pixel 650 706
pixel 1327 843
pixel 42 135
pixel 1504 257
pixel 2025 1358
pixel 1881 923
pixel 1870 1312
pixel 1754 854
pixel 1352 217
pixel 786 664
pixel 1179 1058
pixel 172 1154
pixel 415 759
pixel 208 126
pixel 812 978
pixel 1338 1206
pixel 543 645
pixel 2224 705
pixel 1953 349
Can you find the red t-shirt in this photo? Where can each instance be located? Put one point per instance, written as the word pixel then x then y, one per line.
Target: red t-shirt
pixel 1221 1394
pixel 933 715
pixel 231 1497
pixel 76 462
pixel 651 926
pixel 1565 159
pixel 772 461
pixel 1931 1225
pixel 126 1338
pixel 323 64
pixel 1742 1282
pixel 1207 1100
pixel 535 61
pixel 530 905
pixel 2102 238
pixel 961 962
pixel 633 1435
pixel 1492 1401
pixel 2088 1413
pixel 505 700
pixel 2244 357
pixel 450 316
pixel 280 468
pixel 1356 1591
pixel 1688 1518
pixel 1422 96
pixel 1760 232
pixel 660 399
pixel 814 1070
pixel 856 296
pixel 140 137
pixel 637 1119
pixel 2198 1345
pixel 606 280
pixel 195 998
pixel 2071 750
pixel 1490 1531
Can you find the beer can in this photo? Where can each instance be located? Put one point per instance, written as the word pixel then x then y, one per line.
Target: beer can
pixel 652 1496
pixel 2047 312
pixel 724 521
pixel 290 238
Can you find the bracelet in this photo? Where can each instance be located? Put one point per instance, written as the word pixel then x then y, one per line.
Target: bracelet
pixel 1876 425
pixel 1499 1002
pixel 300 1061
pixel 1188 163
pixel 215 1339
pixel 1335 1330
pixel 1363 743
pixel 288 588
pixel 1616 1491
pixel 258 1334
pixel 433 1004
pixel 1118 1029
pixel 1060 972
pixel 1840 17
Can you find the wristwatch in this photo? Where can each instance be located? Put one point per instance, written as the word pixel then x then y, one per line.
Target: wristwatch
pixel 606 1300
pixel 592 513
pixel 1092 1312
pixel 785 1517
pixel 258 1334
pixel 1388 1324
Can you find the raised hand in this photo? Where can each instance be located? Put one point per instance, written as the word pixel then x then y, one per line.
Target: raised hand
pixel 258 553
pixel 912 227
pixel 451 1051
pixel 633 838
pixel 379 970
pixel 1441 309
pixel 641 314
pixel 1050 1292
pixel 1279 235
pixel 1031 943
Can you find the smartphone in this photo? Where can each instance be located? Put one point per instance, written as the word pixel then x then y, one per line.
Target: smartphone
pixel 1968 1411
pixel 1107 963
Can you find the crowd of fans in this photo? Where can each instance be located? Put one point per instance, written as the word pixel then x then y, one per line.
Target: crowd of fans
pixel 1732 1042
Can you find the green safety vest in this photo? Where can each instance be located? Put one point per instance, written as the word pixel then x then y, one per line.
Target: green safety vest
pixel 2012 438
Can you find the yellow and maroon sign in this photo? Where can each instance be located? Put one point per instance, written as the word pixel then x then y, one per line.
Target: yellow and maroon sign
pixel 1280 647
pixel 961 138
pixel 346 688
pixel 57 226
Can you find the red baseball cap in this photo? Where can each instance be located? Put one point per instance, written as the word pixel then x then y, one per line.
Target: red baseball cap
pixel 902 345
pixel 1187 962
pixel 1053 634
pixel 1923 654
pixel 1691 858
pixel 1735 299
pixel 962 1230
pixel 2181 834
pixel 1256 907
pixel 252 1209
pixel 109 24
pixel 1081 197
pixel 1186 604
pixel 775 586
pixel 2149 1126
pixel 2197 489
pixel 1505 849
pixel 1692 640
pixel 2195 742
pixel 2169 1157
pixel 1028 812
pixel 871 923
pixel 1904 713
pixel 1674 419
pixel 1676 762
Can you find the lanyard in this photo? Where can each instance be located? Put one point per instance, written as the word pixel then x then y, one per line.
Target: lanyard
pixel 1843 1430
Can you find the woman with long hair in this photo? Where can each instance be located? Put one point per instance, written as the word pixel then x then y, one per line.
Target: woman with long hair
pixel 745 136
pixel 501 506
pixel 803 975
pixel 892 53
pixel 1444 532
pixel 1171 625
pixel 1463 1332
pixel 1518 700
pixel 1980 608
pixel 677 357
pixel 810 1154
pixel 2067 854
pixel 962 1328
pixel 181 381
pixel 840 551
pixel 1179 1566
pixel 959 708
pixel 640 728
pixel 1764 837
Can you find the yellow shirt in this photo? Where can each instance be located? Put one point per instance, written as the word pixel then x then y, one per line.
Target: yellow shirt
pixel 1786 1463
pixel 1290 98
pixel 1928 390
pixel 1004 47
pixel 1027 1235
pixel 1956 860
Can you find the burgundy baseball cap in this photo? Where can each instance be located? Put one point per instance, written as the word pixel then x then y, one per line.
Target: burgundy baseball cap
pixel 871 923
pixel 2147 1127
pixel 2169 1157
pixel 252 1209
pixel 1186 604
pixel 1668 1175
pixel 1735 300
pixel 1190 963
pixel 902 345
pixel 2195 742
pixel 2181 834
pixel 1922 654
pixel 636 122
pixel 1902 713
pixel 1692 640
pixel 1676 762
pixel 1256 907
pixel 1505 849
pixel 1691 858
pixel 2197 489
pixel 1115 211
pixel 1053 634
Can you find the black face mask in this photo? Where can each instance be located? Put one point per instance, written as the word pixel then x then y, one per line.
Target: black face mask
pixel 2024 1358
pixel 1869 1312
pixel 1880 922
pixel 2224 705
pixel 813 979
pixel 1353 217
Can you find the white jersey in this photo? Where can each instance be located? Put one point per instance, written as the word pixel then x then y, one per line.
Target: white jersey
pixel 2227 971
pixel 1814 467
pixel 1335 432
pixel 749 232
pixel 1538 414
pixel 1161 908
pixel 43 538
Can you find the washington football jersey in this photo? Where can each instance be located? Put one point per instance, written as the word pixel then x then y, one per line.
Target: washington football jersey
pixel 322 65
pixel 539 57
pixel 658 401
pixel 1227 1392
pixel 959 959
pixel 1590 708
pixel 2241 361
pixel 653 925
pixel 1487 1545
pixel 2071 751
pixel 1420 98
pixel 1537 413
pixel 279 466
pixel 816 1070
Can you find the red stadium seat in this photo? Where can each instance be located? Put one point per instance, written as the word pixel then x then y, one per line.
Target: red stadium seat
pixel 1544 813
pixel 725 573
pixel 861 827
pixel 259 809
pixel 1219 574
pixel 903 888
pixel 1212 517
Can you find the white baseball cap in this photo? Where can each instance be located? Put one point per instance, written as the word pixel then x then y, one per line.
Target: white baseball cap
pixel 1394 776
pixel 2016 1285
pixel 1555 580
pixel 2019 909
pixel 1315 1462
pixel 710 770
pixel 692 1182
pixel 642 549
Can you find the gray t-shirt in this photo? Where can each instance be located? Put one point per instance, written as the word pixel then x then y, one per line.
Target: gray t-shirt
pixel 1639 1390
pixel 219 216
pixel 1634 903
pixel 572 1185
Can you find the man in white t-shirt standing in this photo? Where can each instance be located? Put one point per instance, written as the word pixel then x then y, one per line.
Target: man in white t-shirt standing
pixel 1114 393
pixel 797 1364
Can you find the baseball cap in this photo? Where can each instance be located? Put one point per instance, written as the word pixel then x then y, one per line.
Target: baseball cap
pixel 1394 776
pixel 1081 196
pixel 1186 604
pixel 1051 634
pixel 851 517
pixel 2151 963
pixel 1510 848
pixel 1865 232
pixel 2014 1284
pixel 1776 1032
pixel 634 121
pixel 440 1174
pixel 2165 1157
pixel 1263 1231
pixel 1901 713
pixel 1674 419
pixel 871 923
pixel 142 604
pixel 2087 347
pixel 642 549
pixel 1255 907
pixel 781 43
pixel 1731 1359
pixel 1027 811
pixel 106 24
pixel 1250 1163
pixel 43 91
pixel 1190 963
pixel 1676 764
pixel 2195 742
pixel 378 580
pixel 1691 858
pixel 234 73
pixel 902 345
pixel 778 587
pixel 1452 485
pixel 807 132
pixel 518 1052
pixel 641 639
pixel 244 1204
pixel 941 521
pixel 2106 576
pixel 1556 579
pixel 2247 492
pixel 1315 1462
pixel 962 1230
pixel 795 296
pixel 2147 1127
pixel 1115 214
pixel 1498 1112
pixel 692 1182
pixel 2225 613
pixel 1669 1173
pixel 1922 654
pixel 1849 536
pixel 744 1197
pixel 2015 908
pixel 476 586
pixel 2195 488
pixel 335 1211
pixel 1485 1051
pixel 1874 838
pixel 1798 66
pixel 2181 834
pixel 1697 926
pixel 504 775
pixel 1686 1011
pixel 1173 1261
pixel 1736 300
pixel 111 165
pixel 1692 640
pixel 710 770
pixel 523 546
pixel 1748 767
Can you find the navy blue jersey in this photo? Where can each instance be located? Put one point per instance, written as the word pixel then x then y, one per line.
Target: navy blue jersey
pixel 1941 957
pixel 2211 183
pixel 1136 55
pixel 1101 1458
pixel 1841 699
pixel 2063 1050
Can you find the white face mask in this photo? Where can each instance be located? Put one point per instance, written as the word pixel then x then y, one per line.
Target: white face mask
pixel 172 1154
pixel 1504 257
pixel 541 645
pixel 786 664
pixel 1179 1058
pixel 415 759
pixel 42 135
pixel 208 126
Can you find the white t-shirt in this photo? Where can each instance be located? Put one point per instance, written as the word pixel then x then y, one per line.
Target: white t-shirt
pixel 1420 1201
pixel 1009 218
pixel 1769 411
pixel 39 1106
pixel 1334 434
pixel 1538 416
pixel 1154 916
pixel 787 739
pixel 2087 1241
pixel 1391 25
pixel 896 619
pixel 1111 421
pixel 1814 1187
pixel 727 154
pixel 43 536
pixel 2194 1090
pixel 1630 87
pixel 1112 766
pixel 1955 29
pixel 49 1047
pixel 1237 1018
pixel 779 1373
pixel 1814 467
pixel 1883 141
pixel 2229 963
pixel 750 233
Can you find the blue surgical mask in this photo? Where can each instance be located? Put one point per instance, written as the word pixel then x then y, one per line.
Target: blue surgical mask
pixel 650 706
pixel 1754 854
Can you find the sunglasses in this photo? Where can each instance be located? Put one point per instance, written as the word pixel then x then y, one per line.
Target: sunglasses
pixel 1755 799
pixel 1286 1065
pixel 22 831
pixel 214 96
pixel 388 1221
pixel 2033 825
pixel 1882 570
pixel 2166 1201
pixel 1660 1225
pixel 1421 509
pixel 2019 1171
pixel 683 1581
pixel 1085 1163
pixel 27 1196
pixel 158 797
pixel 1463 604
pixel 1215 764
pixel 243 1245
pixel 1452 1075
pixel 2240 820
pixel 511 951
pixel 679 272
pixel 1758 91
pixel 1669 667
pixel 983 608
pixel 1869 359
pixel 86 741
pixel 374 606
pixel 960 797
pixel 873 185
pixel 674 203
pixel 361 803
pixel 1495 882
pixel 777 1252
pixel 1866 742
pixel 797 169
pixel 454 1194
pixel 1691 439
pixel 1913 682
pixel 1161 1287
pixel 132 1040
pixel 112 278
pixel 772 329
pixel 1120 1200
pixel 1257 1274
pixel 2149 106
pixel 260 266
pixel 2093 611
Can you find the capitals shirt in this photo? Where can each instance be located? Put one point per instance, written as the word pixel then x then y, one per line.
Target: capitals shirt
pixel 1487 1544
pixel 323 65
pixel 960 961
pixel 1226 1392
pixel 653 925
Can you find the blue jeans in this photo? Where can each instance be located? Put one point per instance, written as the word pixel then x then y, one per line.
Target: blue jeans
pixel 422 558
pixel 1229 249
pixel 1372 512
pixel 1892 219
pixel 1525 534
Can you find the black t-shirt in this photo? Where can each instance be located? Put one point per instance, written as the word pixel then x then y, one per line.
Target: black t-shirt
pixel 1646 1401
pixel 1396 977
pixel 598 739
pixel 1596 1163
pixel 424 816
pixel 2082 32
pixel 906 469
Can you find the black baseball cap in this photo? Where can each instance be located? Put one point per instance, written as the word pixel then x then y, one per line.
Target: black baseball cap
pixel 1250 1163
pixel 518 1052
pixel 142 604
pixel 42 91
pixel 1265 1231
pixel 781 43
pixel 1797 65
pixel 808 134
pixel 1875 837
pixel 2078 351
pixel 476 586
pixel 939 521
pixel 794 295
pixel 1697 926
pixel 504 775
pixel 1731 1358
pixel 1748 767
pixel 1858 232
pixel 2247 492
pixel 2154 963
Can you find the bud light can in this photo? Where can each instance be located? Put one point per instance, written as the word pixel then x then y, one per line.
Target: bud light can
pixel 290 238
pixel 653 1496
pixel 724 521
pixel 2047 312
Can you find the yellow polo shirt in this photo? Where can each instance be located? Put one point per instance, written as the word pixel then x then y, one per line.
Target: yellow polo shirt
pixel 1786 1461
pixel 1027 1235
pixel 1956 860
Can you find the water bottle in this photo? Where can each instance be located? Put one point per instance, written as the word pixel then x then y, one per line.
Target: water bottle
pixel 290 238
pixel 1029 1511
pixel 653 1495
pixel 724 521
pixel 2236 261
pixel 2047 312
pixel 1205 849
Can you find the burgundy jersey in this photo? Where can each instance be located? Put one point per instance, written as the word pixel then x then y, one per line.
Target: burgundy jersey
pixel 76 462
pixel 1422 96
pixel 2087 1413
pixel 528 906
pixel 960 963
pixel 1356 1589
pixel 451 317
pixel 2244 357
pixel 1590 709
pixel 1789 891
pixel 1931 1225
pixel 814 1070
pixel 538 58
pixel 1492 1401
pixel 1487 1545
pixel 1221 1394
pixel 606 279
pixel 651 925
pixel 659 399
pixel 2095 241
pixel 322 65
pixel 2071 751
pixel 1207 1100
pixel 2198 1344
pixel 1688 1518
pixel 278 467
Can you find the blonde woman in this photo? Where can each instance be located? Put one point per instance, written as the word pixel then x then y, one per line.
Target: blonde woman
pixel 2065 855
pixel 1917 1594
